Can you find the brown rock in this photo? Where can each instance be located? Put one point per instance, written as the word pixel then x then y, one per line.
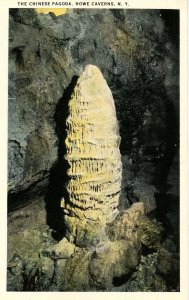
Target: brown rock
pixel 73 275
pixel 125 226
pixel 113 261
pixel 63 249
pixel 150 232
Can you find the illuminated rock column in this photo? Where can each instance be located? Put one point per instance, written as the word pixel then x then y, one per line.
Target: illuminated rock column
pixel 94 158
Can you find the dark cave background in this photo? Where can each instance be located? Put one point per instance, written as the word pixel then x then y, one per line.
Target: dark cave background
pixel 138 54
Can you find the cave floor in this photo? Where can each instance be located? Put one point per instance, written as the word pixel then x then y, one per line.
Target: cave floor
pixel 29 237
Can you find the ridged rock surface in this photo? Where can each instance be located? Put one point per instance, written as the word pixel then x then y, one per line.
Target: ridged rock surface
pixel 93 155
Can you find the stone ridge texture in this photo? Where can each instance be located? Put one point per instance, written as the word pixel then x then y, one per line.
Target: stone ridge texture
pixel 93 155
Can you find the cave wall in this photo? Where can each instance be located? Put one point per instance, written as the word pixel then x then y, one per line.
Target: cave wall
pixel 139 59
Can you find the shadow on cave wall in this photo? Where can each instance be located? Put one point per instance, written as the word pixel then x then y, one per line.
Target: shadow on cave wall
pixel 58 173
pixel 167 203
pixel 157 145
pixel 172 147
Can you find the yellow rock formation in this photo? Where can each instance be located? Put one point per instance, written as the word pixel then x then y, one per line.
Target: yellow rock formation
pixel 56 11
pixel 93 155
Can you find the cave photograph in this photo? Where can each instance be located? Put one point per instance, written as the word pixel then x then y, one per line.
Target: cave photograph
pixel 93 150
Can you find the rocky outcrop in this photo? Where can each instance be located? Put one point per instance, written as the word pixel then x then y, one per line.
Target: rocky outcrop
pixel 93 156
pixel 37 263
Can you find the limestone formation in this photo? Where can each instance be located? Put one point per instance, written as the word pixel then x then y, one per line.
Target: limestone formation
pixel 93 155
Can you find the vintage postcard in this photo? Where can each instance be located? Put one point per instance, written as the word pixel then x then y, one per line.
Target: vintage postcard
pixel 94 149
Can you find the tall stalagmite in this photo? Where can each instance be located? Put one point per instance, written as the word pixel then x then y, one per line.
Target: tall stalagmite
pixel 94 158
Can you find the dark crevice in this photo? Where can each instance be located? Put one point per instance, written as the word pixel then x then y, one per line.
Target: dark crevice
pixel 118 281
pixel 171 19
pixel 58 173
pixel 146 250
